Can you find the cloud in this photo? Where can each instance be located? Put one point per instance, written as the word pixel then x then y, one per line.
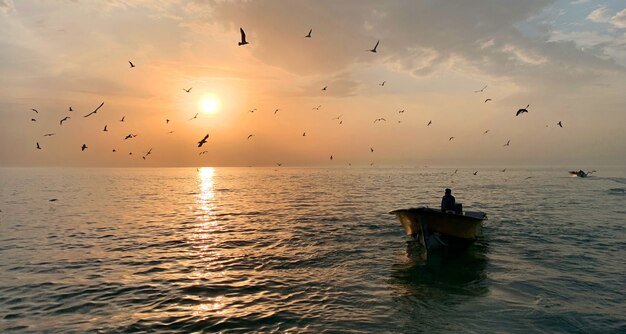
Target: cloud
pixel 7 6
pixel 601 15
pixel 619 20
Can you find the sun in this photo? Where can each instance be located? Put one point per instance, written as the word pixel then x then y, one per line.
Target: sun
pixel 209 104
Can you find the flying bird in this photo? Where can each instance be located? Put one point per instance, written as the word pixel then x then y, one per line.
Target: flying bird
pixel 486 131
pixel 382 84
pixel 560 124
pixel 309 34
pixel 429 123
pixel 187 90
pixel 33 120
pixel 522 110
pixel 96 110
pixel 35 110
pixel 243 37
pixel 122 120
pixel 279 164
pixel 149 151
pixel 480 90
pixel 249 136
pixel 487 100
pixel 275 111
pixel 379 119
pixel 374 49
pixel 401 111
pixel 317 108
pixel 64 119
pixel 49 134
pixel 371 149
pixel 476 172
pixel 504 170
pixel 251 110
pixel 507 143
pixel 82 148
pixel 450 138
pixel 167 121
pixel 455 171
pixel 131 64
pixel 303 134
pixel 338 117
pixel 203 152
pixel 105 128
pixel 331 157
pixel 324 87
pixel 71 109
pixel 38 147
pixel 129 136
pixel 194 117
pixel 203 140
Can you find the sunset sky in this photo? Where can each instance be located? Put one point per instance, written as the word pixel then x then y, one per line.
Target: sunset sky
pixel 567 59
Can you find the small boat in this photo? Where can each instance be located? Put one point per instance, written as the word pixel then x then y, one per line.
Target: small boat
pixel 580 173
pixel 434 228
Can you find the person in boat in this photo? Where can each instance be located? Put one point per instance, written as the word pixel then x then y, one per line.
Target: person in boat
pixel 448 202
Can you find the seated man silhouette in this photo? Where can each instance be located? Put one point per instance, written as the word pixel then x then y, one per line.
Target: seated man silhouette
pixel 448 202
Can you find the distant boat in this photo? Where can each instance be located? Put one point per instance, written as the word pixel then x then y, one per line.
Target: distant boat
pixel 433 228
pixel 580 173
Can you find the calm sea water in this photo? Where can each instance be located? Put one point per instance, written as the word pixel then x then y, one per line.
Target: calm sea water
pixel 306 250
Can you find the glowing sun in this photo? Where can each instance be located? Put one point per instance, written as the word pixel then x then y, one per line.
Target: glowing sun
pixel 209 104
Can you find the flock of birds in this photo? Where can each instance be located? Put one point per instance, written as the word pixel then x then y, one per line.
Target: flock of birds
pixel 243 41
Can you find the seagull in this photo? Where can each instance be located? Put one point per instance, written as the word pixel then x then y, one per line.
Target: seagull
pixel 194 117
pixel 167 121
pixel 33 120
pixel 382 84
pixel 504 170
pixel 71 109
pixel 450 138
pixel 374 49
pixel 82 148
pixel 96 110
pixel 114 151
pixel 317 108
pixel 243 37
pixel 309 34
pixel 251 110
pixel 49 134
pixel 279 164
pixel 64 119
pixel 340 122
pixel 249 136
pixel 559 123
pixel 187 90
pixel 487 100
pixel 35 110
pixel 331 157
pixel 486 131
pixel 171 131
pixel 38 147
pixel 122 120
pixel 275 111
pixel 523 110
pixel 304 134
pixel 480 90
pixel 52 200
pixel 149 151
pixel 324 87
pixel 105 128
pixel 203 152
pixel 131 64
pixel 338 117
pixel 371 149
pixel 456 170
pixel 401 111
pixel 507 143
pixel 476 172
pixel 129 136
pixel 429 123
pixel 379 119
pixel 203 140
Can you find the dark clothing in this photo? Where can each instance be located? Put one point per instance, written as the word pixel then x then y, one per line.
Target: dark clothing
pixel 447 203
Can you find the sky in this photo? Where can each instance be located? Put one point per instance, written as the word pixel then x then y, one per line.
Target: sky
pixel 566 59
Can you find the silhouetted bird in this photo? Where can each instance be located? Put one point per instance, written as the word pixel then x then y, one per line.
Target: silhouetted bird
pixel 122 120
pixel 309 34
pixel 338 117
pixel 96 110
pixel 486 131
pixel 522 110
pixel 203 140
pixel 379 119
pixel 504 170
pixel 560 124
pixel 372 150
pixel 131 64
pixel 243 37
pixel 194 117
pixel 508 143
pixel 324 87
pixel 38 147
pixel 187 90
pixel 105 128
pixel 317 108
pixel 114 151
pixel 374 49
pixel 487 100
pixel 49 134
pixel 303 134
pixel 249 136
pixel 203 152
pixel 167 121
pixel 275 111
pixel 129 136
pixel 383 83
pixel 279 164
pixel 33 120
pixel 450 138
pixel 82 148
pixel 64 119
pixel 480 90
pixel 331 157
pixel 429 123
pixel 401 111
pixel 252 110
pixel 35 110
pixel 476 172
pixel 71 109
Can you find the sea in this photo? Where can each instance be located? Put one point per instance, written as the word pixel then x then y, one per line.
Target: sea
pixel 307 250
